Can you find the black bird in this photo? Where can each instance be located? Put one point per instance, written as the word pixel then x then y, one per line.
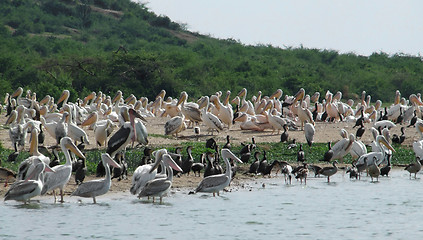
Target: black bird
pixel 146 159
pixel 208 171
pixel 56 160
pixel 211 143
pixel 269 167
pixel 360 131
pixel 315 112
pixel 353 172
pixel 236 113
pixel 328 154
pixel 300 154
pixel 228 143
pixel 413 120
pixel 399 139
pixel 197 167
pixel 81 170
pixel 41 136
pixel 324 116
pixel 316 169
pixel 400 118
pixel 302 173
pixel 12 157
pixel 177 157
pixel 245 149
pixel 293 144
pixel 359 121
pixel 245 157
pixel 263 164
pixel 385 170
pixel 285 134
pixel 187 162
pixel 255 165
pixel 385 115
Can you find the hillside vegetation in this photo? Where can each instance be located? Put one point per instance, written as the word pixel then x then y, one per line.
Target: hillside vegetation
pixel 106 45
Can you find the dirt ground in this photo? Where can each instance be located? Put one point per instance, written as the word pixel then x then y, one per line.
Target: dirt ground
pixel 324 132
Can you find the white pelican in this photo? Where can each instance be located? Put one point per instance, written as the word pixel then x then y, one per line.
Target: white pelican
pixel 21 101
pixel 212 122
pixel 17 131
pixel 190 111
pixel 159 187
pixel 248 123
pixel 309 133
pixel 418 148
pixel 246 106
pixel 75 132
pixel 102 129
pixel 275 121
pixel 97 187
pixel 342 147
pixel 358 149
pixel 225 109
pixel 379 157
pixel 215 183
pixel 175 125
pixel 62 173
pixel 304 114
pixel 124 135
pixel 142 133
pixel 24 190
pixel 384 124
pixel 49 126
pixel 145 173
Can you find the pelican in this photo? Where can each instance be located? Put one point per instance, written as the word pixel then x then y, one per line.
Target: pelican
pixel 215 183
pixel 61 129
pixel 62 173
pixel 374 170
pixel 97 187
pixel 160 186
pixel 26 189
pixel 145 173
pixel 74 132
pixel 225 109
pixel 175 125
pixel 190 111
pixel 379 156
pixel 124 135
pixel 309 133
pixel 384 124
pixel 19 100
pixel 275 121
pixel 304 114
pixel 248 122
pixel 212 122
pixel 342 147
pixel 102 129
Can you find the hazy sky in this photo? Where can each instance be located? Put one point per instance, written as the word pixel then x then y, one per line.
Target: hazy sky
pixel 358 26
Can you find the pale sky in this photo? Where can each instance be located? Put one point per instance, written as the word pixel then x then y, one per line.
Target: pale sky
pixel 348 26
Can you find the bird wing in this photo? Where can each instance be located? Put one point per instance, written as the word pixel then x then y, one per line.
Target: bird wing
pixel 173 125
pixel 212 181
pixel 155 186
pixel 87 188
pixel 60 177
pixel 20 188
pixel 118 139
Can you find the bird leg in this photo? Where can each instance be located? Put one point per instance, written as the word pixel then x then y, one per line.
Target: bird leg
pixel 61 196
pixel 95 202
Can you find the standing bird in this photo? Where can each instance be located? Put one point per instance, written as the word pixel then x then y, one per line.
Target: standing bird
pixel 293 144
pixel 374 170
pixel 197 167
pixel 413 120
pixel 187 162
pixel 215 183
pixel 309 133
pixel 414 167
pixel 360 131
pixel 328 154
pixel 6 174
pixel 302 174
pixel 329 171
pixel 255 165
pixel 263 164
pixel 159 187
pixel 399 139
pixel 62 173
pixel 386 169
pixel 94 188
pixel 228 143
pixel 285 134
pixel 300 154
pixel 24 190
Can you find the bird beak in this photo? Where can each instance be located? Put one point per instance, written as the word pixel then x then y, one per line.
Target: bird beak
pixel 109 160
pixel 299 95
pixel 136 114
pixel 71 146
pixel 231 155
pixel 62 97
pixel 48 169
pixel 89 120
pixel 386 143
pixel 171 162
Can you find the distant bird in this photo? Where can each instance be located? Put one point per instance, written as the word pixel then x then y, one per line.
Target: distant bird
pixel 263 164
pixel 309 133
pixel 211 143
pixel 255 165
pixel 286 171
pixel 81 171
pixel 300 154
pixel 360 131
pixel 293 144
pixel 315 168
pixel 399 139
pixel 359 121
pixel 246 153
pixel 374 170
pixel 6 174
pixel 400 118
pixel 353 172
pixel 197 167
pixel 414 167
pixel 386 169
pixel 328 154
pixel 329 171
pixel 228 143
pixel 187 162
pixel 285 134
pixel 302 174
pixel 413 120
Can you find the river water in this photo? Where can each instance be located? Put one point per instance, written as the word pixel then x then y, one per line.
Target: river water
pixel 261 209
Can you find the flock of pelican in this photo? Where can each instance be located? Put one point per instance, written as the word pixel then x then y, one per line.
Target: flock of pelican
pixel 102 114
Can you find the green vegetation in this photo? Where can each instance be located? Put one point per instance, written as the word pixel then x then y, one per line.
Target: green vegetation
pixel 106 45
